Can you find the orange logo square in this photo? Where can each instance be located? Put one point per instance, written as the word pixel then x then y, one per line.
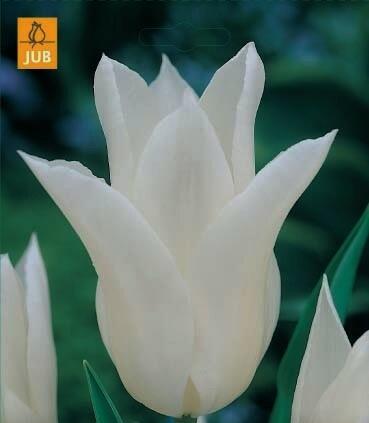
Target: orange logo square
pixel 37 43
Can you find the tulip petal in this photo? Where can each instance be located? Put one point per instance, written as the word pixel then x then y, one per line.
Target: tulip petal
pixel 326 352
pixel 231 101
pixel 124 104
pixel 113 122
pixel 14 373
pixel 102 318
pixel 41 357
pixel 149 309
pixel 168 88
pixel 232 262
pixel 15 411
pixel 183 179
pixel 243 152
pixel 273 301
pixel 347 398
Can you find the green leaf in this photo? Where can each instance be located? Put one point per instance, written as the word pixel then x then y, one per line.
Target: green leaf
pixel 341 273
pixel 104 409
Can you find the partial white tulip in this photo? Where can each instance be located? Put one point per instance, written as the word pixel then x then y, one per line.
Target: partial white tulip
pixel 333 384
pixel 182 241
pixel 28 361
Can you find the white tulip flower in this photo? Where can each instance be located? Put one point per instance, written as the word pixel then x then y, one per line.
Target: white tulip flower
pixel 28 362
pixel 333 384
pixel 182 241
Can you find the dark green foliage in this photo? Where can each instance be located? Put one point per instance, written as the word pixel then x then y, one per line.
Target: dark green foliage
pixel 104 409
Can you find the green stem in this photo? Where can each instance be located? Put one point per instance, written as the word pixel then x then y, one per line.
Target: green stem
pixel 185 419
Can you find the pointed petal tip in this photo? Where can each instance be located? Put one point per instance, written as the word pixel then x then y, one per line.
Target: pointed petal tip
pixel 325 142
pixel 325 291
pixel 106 63
pixel 251 45
pixel 326 302
pixel 33 244
pixel 25 157
pixel 103 63
pixel 325 281
pixel 321 144
pixel 21 153
pixel 5 264
pixel 4 257
pixel 324 356
pixel 33 238
pixel 105 57
pixel 29 158
pixel 167 68
pixel 329 136
pixel 32 161
pixel 241 53
pixel 32 249
pixel 244 51
pixel 104 60
pixel 166 65
pixel 165 60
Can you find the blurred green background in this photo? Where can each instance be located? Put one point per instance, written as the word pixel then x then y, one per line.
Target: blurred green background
pixel 316 55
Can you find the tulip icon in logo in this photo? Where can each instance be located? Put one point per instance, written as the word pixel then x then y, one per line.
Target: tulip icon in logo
pixel 37 34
